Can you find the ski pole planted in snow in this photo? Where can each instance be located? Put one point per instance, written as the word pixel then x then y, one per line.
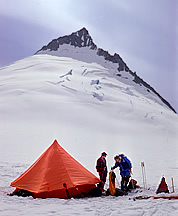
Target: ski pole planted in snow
pixel 172 185
pixel 143 175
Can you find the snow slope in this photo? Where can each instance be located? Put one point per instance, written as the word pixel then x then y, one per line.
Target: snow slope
pixel 88 110
pixel 80 46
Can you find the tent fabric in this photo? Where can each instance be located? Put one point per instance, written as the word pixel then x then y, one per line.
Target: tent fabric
pixel 162 186
pixel 51 171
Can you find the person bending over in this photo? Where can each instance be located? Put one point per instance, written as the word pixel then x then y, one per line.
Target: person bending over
pixel 125 166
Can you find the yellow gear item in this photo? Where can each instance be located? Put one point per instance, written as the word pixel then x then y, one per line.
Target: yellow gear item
pixel 112 188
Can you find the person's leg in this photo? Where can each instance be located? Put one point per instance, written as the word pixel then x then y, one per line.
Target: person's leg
pixel 122 183
pixel 126 182
pixel 104 176
pixel 103 179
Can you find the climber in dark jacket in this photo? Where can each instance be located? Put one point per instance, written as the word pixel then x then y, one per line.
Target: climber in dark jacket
pixel 125 169
pixel 101 168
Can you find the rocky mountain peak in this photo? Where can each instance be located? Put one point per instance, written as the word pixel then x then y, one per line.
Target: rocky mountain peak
pixel 80 38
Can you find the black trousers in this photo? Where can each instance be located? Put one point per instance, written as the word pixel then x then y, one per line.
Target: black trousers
pixel 124 183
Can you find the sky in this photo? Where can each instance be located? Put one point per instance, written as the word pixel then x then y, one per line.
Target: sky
pixel 143 32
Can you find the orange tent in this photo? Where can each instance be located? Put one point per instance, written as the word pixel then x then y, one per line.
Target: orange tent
pixel 56 174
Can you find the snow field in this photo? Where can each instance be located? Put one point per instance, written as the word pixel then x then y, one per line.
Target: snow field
pixel 88 111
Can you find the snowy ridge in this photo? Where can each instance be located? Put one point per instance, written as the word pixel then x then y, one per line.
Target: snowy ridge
pixel 82 79
pixel 79 45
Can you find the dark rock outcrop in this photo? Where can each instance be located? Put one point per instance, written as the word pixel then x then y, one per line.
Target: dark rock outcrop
pixel 80 38
pixel 114 59
pixel 140 81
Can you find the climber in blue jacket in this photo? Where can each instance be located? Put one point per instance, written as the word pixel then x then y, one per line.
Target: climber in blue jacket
pixel 125 166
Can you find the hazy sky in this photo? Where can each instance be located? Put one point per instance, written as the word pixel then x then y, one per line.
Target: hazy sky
pixel 143 32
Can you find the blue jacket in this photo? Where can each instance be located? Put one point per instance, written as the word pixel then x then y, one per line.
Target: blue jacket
pixel 125 166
